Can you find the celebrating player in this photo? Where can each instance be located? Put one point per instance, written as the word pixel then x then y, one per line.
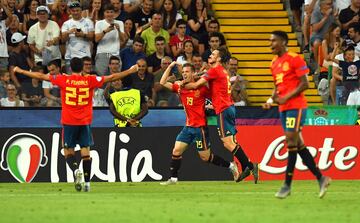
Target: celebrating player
pixel 218 79
pixel 196 127
pixel 289 72
pixel 76 114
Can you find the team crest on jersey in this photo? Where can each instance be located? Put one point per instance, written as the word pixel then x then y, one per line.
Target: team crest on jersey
pixel 352 70
pixel 285 66
pixel 98 79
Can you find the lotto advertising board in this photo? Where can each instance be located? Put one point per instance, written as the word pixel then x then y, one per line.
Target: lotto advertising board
pixel 135 155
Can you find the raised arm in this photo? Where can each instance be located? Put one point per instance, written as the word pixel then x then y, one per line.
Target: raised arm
pixel 196 85
pixel 117 76
pixel 165 76
pixel 37 75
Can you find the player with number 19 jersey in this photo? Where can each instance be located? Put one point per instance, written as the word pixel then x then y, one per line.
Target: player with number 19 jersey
pixel 76 97
pixel 220 88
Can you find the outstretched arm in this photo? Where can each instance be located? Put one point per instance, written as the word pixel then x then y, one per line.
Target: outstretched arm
pixel 196 85
pixel 37 75
pixel 117 76
pixel 165 76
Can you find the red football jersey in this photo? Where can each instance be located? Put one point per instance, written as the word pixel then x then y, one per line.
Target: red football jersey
pixel 286 71
pixel 194 104
pixel 76 97
pixel 220 88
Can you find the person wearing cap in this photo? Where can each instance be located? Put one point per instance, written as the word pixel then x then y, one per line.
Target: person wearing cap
pixel 43 38
pixel 77 33
pixel 19 57
pixel 4 23
pixel 109 34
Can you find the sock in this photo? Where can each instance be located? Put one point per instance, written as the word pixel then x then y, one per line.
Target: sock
pixel 87 169
pixel 218 161
pixel 290 166
pixel 241 156
pixel 175 166
pixel 309 162
pixel 71 161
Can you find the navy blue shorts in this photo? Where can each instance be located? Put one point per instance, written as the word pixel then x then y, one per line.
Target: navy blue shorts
pixel 226 122
pixel 198 135
pixel 77 134
pixel 293 120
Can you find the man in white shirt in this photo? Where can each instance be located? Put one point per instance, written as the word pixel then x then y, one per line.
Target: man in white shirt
pixel 78 33
pixel 3 44
pixel 12 100
pixel 52 92
pixel 108 34
pixel 43 38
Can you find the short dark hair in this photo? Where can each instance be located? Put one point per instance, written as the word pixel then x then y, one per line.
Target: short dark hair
pixel 214 21
pixel 349 48
pixel 139 39
pixel 196 54
pixel 127 81
pixel 113 58
pixel 189 65
pixel 108 7
pixel 159 38
pixel 86 58
pixel 282 35
pixel 37 69
pixel 355 26
pixel 76 64
pixel 53 62
pixel 224 54
pixel 234 58
pixel 215 34
pixel 180 22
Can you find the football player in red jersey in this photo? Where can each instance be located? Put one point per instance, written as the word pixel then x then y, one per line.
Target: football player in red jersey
pixel 76 115
pixel 289 72
pixel 218 80
pixel 196 129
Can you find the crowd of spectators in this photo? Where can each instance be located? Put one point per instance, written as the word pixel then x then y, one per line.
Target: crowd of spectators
pixel 331 31
pixel 110 36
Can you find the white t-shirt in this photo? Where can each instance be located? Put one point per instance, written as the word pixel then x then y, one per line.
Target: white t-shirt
pixel 3 44
pixel 181 60
pixel 110 43
pixel 4 102
pixel 39 37
pixel 47 84
pixel 354 98
pixel 78 46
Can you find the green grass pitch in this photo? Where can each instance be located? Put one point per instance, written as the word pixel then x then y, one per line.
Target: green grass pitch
pixel 184 202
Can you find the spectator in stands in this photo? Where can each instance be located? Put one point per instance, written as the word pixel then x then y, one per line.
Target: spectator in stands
pixel 170 16
pixel 349 15
pixel 321 20
pixel 128 114
pixel 238 92
pixel 198 63
pixel 187 56
pixel 154 60
pixel 4 23
pixel 78 34
pixel 214 26
pixel 214 43
pixel 13 28
pixel 30 17
pixel 198 21
pixel 295 6
pixel 354 98
pixel 144 81
pixel 12 99
pixel 43 38
pixel 233 72
pixel 177 40
pixel 109 34
pixel 119 14
pixel 130 32
pixel 354 35
pixel 32 93
pixel 59 12
pixel 346 71
pixel 143 15
pixel 159 3
pixel 19 57
pixel 4 80
pixel 152 32
pixel 52 92
pixel 95 11
pixel 131 6
pixel 163 95
pixel 114 64
pixel 130 55
pixel 11 6
pixel 308 10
